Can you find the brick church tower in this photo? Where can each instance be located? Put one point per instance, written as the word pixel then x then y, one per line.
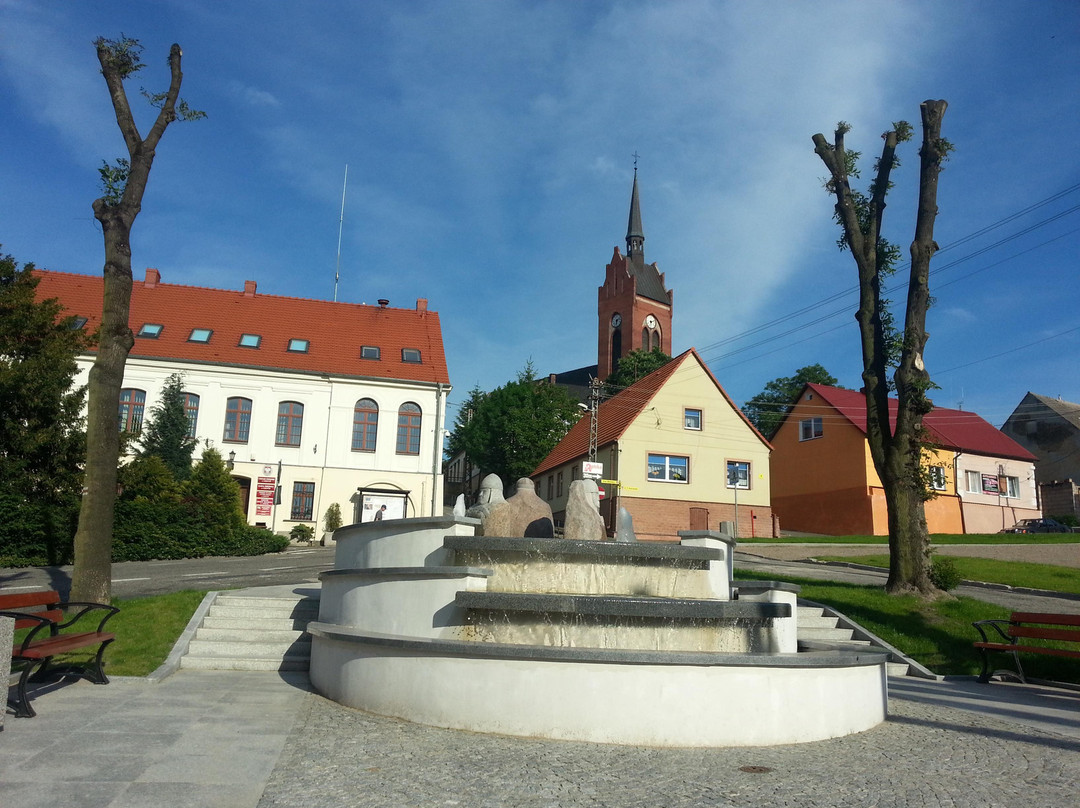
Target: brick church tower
pixel 634 307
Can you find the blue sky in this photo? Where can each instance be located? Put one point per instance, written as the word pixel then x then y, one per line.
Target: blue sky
pixel 489 161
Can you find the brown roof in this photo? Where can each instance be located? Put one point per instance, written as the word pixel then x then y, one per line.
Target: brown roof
pixel 618 412
pixel 950 429
pixel 335 331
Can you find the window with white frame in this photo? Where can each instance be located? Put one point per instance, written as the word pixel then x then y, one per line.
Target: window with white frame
pixel 810 428
pixel 738 474
pixel 692 419
pixel 669 468
pixel 1011 487
pixel 937 477
pixel 974 482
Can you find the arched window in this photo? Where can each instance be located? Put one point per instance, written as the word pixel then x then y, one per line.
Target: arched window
pixel 408 429
pixel 237 420
pixel 191 408
pixel 365 425
pixel 645 339
pixel 132 405
pixel 290 423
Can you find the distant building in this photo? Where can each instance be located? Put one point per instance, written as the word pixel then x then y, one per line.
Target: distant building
pixel 1050 429
pixel 684 455
pixel 310 402
pixel 824 481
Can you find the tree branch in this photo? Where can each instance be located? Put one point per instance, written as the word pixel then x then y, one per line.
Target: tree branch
pixel 115 81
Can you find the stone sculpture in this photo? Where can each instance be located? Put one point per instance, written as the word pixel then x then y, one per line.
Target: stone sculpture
pixel 624 526
pixel 524 514
pixel 490 495
pixel 583 519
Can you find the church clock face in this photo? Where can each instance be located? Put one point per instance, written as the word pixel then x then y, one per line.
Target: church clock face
pixel 650 322
pixel 616 320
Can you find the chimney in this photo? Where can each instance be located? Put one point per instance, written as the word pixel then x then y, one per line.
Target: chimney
pixel 421 304
pixel 249 288
pixel 383 302
pixel 153 278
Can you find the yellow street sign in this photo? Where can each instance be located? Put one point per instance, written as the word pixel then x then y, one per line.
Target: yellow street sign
pixel 610 482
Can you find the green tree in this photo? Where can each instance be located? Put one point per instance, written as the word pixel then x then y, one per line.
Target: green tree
pixel 115 210
pixel 165 434
pixel 216 496
pixel 513 427
pixel 635 365
pixel 895 444
pixel 41 427
pixel 767 409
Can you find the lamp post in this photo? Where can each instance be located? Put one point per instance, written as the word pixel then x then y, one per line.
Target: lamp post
pixel 231 461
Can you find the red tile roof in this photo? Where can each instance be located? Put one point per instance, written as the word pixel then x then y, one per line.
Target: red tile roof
pixel 335 331
pixel 950 429
pixel 618 412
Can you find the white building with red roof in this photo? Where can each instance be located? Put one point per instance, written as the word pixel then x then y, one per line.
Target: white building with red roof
pixel 313 401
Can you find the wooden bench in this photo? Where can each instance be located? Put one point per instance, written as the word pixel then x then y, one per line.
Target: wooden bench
pixel 43 614
pixel 1015 634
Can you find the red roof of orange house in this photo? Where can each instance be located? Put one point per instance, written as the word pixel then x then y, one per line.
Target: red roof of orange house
pixel 949 429
pixel 617 413
pixel 334 332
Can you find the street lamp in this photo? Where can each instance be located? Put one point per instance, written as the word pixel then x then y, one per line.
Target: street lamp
pixel 231 461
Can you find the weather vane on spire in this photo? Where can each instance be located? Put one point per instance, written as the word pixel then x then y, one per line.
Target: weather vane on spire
pixel 635 156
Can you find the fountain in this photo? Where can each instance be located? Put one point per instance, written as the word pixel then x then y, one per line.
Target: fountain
pixel 614 642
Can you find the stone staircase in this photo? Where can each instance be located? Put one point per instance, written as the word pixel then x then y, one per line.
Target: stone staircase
pixel 823 629
pixel 242 632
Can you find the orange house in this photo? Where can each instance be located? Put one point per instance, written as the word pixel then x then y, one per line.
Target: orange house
pixel 824 481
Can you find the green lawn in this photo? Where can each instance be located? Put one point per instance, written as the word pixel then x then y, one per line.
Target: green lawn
pixel 937 538
pixel 1011 573
pixel 146 630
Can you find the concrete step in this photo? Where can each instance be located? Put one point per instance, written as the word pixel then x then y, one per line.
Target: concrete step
pixel 243 607
pixel 817 621
pixel 244 634
pixel 212 620
pixel 243 650
pixel 897 668
pixel 245 664
pixel 825 633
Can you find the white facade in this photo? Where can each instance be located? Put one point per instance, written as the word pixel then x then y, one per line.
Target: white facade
pixel 324 457
pixel 995 493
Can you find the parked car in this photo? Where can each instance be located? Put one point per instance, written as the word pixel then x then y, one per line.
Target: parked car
pixel 1038 526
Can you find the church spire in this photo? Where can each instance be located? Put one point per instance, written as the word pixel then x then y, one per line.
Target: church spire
pixel 635 236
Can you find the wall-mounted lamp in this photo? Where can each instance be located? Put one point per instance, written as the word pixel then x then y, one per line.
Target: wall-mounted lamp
pixel 231 461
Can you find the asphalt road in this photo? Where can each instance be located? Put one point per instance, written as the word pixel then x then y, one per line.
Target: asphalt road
pixel 139 578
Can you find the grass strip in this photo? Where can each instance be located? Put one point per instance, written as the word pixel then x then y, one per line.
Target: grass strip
pixel 1010 573
pixel 146 630
pixel 937 538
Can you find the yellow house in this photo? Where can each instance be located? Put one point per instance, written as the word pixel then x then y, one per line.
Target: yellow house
pixel 678 453
pixel 824 479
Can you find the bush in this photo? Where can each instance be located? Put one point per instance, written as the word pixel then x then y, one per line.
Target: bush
pixel 944 573
pixel 302 533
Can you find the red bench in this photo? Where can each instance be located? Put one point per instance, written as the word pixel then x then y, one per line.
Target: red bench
pixel 1015 635
pixel 43 614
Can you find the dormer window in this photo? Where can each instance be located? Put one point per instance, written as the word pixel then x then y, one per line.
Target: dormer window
pixel 410 355
pixel 77 323
pixel 369 352
pixel 150 331
pixel 250 340
pixel 298 345
pixel 200 335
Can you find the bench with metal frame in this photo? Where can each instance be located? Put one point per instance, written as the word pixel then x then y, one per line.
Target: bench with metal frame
pixel 43 614
pixel 1015 635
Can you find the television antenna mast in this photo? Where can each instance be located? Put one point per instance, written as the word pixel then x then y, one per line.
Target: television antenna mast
pixel 341 224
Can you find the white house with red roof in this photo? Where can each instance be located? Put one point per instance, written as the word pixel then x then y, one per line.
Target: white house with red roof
pixel 311 402
pixel 681 454
pixel 824 481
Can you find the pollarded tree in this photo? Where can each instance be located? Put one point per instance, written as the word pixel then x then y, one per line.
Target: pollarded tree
pixel 767 409
pixel 166 432
pixel 895 444
pixel 41 428
pixel 124 185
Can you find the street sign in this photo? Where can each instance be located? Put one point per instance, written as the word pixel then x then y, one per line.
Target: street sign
pixel 592 471
pixel 602 493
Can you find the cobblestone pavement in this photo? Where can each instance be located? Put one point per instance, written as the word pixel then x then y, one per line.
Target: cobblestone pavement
pixel 924 755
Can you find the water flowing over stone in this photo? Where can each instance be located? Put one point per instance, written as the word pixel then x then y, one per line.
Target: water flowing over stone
pixel 524 514
pixel 459 506
pixel 583 519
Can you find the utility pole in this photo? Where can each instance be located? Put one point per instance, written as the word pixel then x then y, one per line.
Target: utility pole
pixel 594 412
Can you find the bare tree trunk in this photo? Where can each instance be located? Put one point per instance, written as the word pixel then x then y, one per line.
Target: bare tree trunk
pixel 895 444
pixel 92 574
